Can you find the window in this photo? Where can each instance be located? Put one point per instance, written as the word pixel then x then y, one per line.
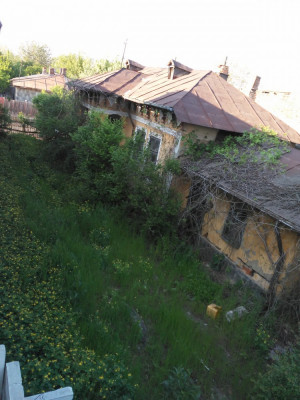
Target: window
pixel 154 145
pixel 114 117
pixel 235 224
pixel 139 138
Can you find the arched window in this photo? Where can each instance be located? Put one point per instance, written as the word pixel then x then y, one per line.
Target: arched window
pixel 114 117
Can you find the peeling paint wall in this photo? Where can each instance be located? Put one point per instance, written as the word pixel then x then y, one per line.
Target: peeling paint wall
pixel 155 124
pixel 259 249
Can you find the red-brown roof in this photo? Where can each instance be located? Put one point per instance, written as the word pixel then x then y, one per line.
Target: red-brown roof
pixel 40 82
pixel 200 98
pixel 116 82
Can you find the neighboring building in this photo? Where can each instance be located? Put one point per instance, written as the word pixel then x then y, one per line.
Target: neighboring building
pixel 284 104
pixel 27 87
pixel 165 104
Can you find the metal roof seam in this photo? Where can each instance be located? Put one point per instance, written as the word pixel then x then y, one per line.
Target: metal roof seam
pixel 209 72
pixel 198 97
pixel 221 108
pixel 178 82
pixel 239 110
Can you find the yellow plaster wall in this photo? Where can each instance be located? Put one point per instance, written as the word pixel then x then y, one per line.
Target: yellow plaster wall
pixel 203 133
pixel 258 236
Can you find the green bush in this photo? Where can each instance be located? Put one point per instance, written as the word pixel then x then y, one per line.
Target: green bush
pixel 282 378
pixel 58 116
pixel 4 119
pixel 124 175
pixel 180 386
pixel 96 142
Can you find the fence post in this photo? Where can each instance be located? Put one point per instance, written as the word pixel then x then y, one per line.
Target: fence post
pixel 12 386
pixel 2 367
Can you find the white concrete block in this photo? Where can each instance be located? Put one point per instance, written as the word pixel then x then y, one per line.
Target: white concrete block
pixel 60 394
pixel 12 383
pixel 2 366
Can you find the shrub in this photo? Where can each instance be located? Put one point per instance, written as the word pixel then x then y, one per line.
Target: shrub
pixel 95 143
pixel 180 385
pixel 58 116
pixel 4 119
pixel 282 378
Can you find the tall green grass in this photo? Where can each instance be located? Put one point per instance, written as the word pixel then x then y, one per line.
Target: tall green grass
pixel 144 301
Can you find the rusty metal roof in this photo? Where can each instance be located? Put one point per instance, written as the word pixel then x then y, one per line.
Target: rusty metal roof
pixel 40 82
pixel 116 82
pixel 200 98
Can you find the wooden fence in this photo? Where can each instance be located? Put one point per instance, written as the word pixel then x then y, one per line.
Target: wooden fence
pixel 15 107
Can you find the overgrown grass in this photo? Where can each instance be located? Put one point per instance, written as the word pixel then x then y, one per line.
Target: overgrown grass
pixel 146 303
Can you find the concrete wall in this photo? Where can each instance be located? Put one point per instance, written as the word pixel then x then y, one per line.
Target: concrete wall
pixel 11 387
pixel 22 94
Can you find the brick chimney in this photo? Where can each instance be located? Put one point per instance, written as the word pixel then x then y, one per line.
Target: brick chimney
pixel 224 70
pixel 44 70
pixel 51 71
pixel 133 65
pixel 254 88
pixel 176 69
pixel 64 71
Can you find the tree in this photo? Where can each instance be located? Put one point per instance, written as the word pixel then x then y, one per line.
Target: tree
pixel 79 66
pixel 36 54
pixel 5 72
pixel 58 116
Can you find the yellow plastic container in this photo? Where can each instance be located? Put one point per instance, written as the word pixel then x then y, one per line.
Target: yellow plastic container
pixel 213 311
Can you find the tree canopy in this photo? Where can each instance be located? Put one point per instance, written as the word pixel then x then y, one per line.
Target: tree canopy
pixel 37 54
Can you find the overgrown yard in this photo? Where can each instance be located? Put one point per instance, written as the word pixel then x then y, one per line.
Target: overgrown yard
pixel 88 303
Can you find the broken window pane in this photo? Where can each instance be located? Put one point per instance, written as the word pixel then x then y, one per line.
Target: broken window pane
pixel 235 225
pixel 154 144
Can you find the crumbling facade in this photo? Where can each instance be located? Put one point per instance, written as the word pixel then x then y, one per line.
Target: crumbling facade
pixel 166 104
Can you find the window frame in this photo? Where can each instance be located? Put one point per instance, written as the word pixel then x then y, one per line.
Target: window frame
pixel 158 137
pixel 235 224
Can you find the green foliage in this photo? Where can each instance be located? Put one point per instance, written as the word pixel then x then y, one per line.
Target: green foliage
pixel 282 378
pixel 4 119
pixel 180 386
pixel 141 188
pixel 261 146
pixel 79 66
pixel 58 117
pixel 263 340
pixel 37 54
pixel 37 323
pixel 198 286
pixel 96 142
pixel 125 175
pixel 5 72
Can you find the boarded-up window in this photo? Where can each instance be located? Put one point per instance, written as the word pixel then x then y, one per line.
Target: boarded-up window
pixel 235 224
pixel 154 145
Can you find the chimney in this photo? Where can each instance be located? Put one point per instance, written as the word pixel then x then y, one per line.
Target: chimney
pixel 51 71
pixel 64 71
pixel 44 70
pixel 224 70
pixel 254 88
pixel 176 69
pixel 133 65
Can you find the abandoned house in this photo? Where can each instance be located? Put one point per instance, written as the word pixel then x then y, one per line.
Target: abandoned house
pixel 166 104
pixel 25 88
